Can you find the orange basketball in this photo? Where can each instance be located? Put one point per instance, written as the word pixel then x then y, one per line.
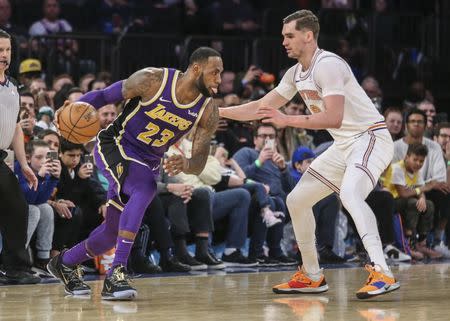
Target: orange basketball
pixel 78 122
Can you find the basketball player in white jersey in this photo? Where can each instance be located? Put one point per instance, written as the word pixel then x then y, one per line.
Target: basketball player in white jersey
pixel 362 149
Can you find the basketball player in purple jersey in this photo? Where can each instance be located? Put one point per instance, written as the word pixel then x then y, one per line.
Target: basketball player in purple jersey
pixel 162 105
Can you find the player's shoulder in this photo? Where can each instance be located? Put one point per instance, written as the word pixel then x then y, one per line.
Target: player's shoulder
pixel 328 57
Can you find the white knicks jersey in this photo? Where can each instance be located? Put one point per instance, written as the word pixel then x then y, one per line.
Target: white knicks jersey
pixel 328 75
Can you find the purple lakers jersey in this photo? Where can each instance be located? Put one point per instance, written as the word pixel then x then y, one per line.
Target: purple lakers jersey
pixel 145 130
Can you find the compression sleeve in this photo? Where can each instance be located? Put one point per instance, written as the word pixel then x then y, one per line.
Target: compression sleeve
pixel 102 97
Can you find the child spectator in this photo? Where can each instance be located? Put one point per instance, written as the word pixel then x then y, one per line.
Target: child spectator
pixel 40 219
pixel 408 188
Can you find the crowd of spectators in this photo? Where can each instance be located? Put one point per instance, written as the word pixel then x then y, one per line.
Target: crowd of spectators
pixel 240 196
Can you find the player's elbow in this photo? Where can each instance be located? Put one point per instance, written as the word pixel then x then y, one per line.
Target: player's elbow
pixel 336 123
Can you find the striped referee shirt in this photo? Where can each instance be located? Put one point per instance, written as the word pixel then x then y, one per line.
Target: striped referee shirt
pixel 9 110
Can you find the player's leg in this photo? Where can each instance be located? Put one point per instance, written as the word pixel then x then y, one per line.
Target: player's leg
pixel 140 188
pixel 365 163
pixel 66 265
pixel 320 180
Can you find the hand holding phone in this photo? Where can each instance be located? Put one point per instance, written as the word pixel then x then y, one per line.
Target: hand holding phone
pixel 89 161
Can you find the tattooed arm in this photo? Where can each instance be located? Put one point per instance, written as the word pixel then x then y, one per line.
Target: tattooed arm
pixel 200 145
pixel 202 139
pixel 143 83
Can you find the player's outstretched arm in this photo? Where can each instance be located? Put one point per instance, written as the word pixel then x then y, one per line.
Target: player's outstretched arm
pixel 330 118
pixel 141 84
pixel 249 110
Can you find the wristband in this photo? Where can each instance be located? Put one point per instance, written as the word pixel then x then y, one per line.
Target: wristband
pixel 448 163
pixel 258 163
pixel 417 189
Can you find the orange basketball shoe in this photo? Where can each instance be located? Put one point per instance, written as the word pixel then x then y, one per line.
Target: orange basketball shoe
pixel 377 283
pixel 302 283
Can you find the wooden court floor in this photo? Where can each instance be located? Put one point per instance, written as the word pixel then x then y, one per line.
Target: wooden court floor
pixel 424 295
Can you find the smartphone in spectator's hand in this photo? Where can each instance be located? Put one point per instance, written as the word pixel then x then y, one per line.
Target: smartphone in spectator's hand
pixel 89 161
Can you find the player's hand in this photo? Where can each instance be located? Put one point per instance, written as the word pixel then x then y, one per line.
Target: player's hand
pixel 271 115
pixel 278 159
pixel 175 164
pixel 85 171
pixel 30 177
pixel 57 112
pixel 421 204
pixel 102 210
pixel 267 188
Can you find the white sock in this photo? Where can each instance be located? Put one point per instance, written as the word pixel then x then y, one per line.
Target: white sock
pixel 309 257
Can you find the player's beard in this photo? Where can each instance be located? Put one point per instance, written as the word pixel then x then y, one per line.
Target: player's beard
pixel 200 83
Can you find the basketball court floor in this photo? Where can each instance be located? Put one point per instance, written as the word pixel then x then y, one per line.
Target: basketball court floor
pixel 240 295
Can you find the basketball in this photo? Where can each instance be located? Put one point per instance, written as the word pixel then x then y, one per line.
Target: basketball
pixel 78 122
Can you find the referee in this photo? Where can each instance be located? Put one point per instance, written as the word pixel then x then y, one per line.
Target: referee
pixel 13 207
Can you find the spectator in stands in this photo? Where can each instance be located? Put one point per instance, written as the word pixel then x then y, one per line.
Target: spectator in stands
pixel 67 218
pixel 96 84
pixel 264 164
pixel 428 108
pixel 233 176
pixel 190 214
pixel 84 82
pixel 373 90
pixel 442 137
pixel 60 80
pixel 29 69
pixel 233 135
pixel 45 118
pixel 231 205
pixel 28 124
pixel 77 186
pixel 74 94
pixel 154 220
pixel 5 22
pixel 27 102
pixel 394 122
pixel 408 188
pixel 37 85
pixel 106 115
pixel 233 17
pixel 227 85
pixel 289 138
pixel 325 211
pixel 50 23
pixel 433 171
pixel 19 43
pixel 40 213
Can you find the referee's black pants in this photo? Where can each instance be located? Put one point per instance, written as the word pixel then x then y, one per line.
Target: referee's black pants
pixel 13 220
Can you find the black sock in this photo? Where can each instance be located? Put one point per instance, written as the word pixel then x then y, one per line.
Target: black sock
pixel 180 246
pixel 165 255
pixel 201 245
